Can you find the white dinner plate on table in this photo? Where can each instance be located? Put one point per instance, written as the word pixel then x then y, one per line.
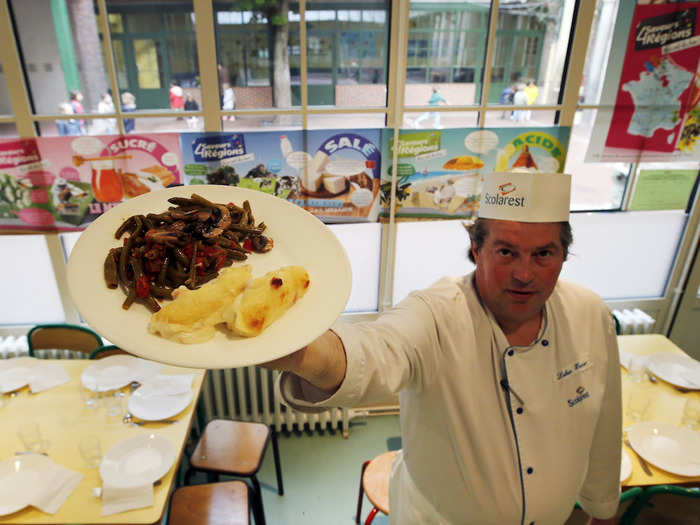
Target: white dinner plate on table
pixel 20 478
pixel 116 371
pixel 154 400
pixel 625 466
pixel 137 460
pixel 677 369
pixel 673 449
pixel 299 239
pixel 16 373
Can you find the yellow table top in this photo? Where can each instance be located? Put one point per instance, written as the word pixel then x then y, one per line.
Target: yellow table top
pixel 63 419
pixel 666 406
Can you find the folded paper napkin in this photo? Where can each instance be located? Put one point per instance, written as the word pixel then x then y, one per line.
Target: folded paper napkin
pixel 47 376
pixel 162 385
pixel 121 499
pixel 627 357
pixel 55 489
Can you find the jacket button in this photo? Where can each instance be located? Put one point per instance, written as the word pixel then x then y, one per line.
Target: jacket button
pixel 519 410
pixel 545 342
pixel 530 470
pixel 510 352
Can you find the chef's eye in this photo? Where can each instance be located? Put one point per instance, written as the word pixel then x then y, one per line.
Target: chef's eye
pixel 505 252
pixel 544 253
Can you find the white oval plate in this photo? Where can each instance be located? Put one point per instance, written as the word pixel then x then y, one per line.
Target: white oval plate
pixel 137 460
pixel 116 371
pixel 20 478
pixel 625 466
pixel 677 369
pixel 299 239
pixel 157 407
pixel 673 449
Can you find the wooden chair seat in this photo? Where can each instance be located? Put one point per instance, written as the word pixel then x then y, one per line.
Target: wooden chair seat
pixel 375 483
pixel 236 448
pixel 210 504
pixel 231 447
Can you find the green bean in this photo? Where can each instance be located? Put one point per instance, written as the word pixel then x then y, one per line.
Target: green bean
pixel 110 270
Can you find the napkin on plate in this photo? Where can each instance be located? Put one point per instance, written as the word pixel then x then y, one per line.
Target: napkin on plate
pixel 55 489
pixel 164 385
pixel 47 376
pixel 121 499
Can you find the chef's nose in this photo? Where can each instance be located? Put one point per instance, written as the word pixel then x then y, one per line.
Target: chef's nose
pixel 523 271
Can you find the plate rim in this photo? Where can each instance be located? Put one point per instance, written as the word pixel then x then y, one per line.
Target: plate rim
pixel 101 362
pixel 660 357
pixel 646 427
pixel 183 396
pixel 163 350
pixel 136 438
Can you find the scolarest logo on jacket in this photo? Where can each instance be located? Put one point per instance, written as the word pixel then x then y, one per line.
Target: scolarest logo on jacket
pixel 581 394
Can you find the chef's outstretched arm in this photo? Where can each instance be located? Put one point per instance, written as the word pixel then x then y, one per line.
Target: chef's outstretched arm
pixel 322 362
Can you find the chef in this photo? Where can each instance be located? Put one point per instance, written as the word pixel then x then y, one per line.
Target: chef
pixel 508 378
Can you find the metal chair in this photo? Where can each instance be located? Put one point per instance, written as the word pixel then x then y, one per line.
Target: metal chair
pixel 107 350
pixel 236 448
pixel 79 341
pixel 642 500
pixel 210 504
pixel 374 481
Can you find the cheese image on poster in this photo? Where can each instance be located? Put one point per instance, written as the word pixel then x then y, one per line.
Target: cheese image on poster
pixel 440 172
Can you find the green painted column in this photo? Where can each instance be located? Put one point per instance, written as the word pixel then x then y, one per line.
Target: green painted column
pixel 64 41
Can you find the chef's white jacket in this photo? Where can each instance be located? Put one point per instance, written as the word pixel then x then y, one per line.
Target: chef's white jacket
pixel 491 433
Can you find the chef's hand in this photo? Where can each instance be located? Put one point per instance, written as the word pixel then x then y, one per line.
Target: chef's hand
pixel 322 362
pixel 598 521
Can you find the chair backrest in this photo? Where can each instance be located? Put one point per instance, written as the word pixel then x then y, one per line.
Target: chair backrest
pixel 107 350
pixel 62 337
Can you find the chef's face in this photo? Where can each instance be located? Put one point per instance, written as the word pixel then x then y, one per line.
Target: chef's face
pixel 517 268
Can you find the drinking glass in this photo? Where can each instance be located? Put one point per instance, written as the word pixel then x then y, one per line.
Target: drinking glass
pixel 90 398
pixel 112 402
pixel 637 406
pixel 90 451
pixel 637 369
pixel 30 435
pixel 691 414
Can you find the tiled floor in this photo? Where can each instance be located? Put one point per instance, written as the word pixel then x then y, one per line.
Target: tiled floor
pixel 321 475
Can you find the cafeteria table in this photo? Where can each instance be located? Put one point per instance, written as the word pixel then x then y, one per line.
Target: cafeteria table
pixel 63 419
pixel 666 406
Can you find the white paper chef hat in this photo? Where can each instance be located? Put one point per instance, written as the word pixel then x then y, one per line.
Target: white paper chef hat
pixel 526 197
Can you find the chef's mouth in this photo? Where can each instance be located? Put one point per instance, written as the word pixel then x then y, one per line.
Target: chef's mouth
pixel 521 293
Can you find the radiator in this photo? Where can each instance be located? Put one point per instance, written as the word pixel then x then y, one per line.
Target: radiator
pixel 634 321
pixel 249 394
pixel 246 394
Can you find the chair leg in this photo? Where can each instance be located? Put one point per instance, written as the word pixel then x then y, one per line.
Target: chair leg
pixel 258 502
pixel 278 466
pixel 362 493
pixel 371 515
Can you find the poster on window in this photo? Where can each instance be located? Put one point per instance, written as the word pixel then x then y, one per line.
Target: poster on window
pixel 440 172
pixel 333 174
pixel 655 115
pixel 64 183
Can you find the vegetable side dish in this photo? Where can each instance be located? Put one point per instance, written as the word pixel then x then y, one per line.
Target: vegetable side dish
pixel 187 245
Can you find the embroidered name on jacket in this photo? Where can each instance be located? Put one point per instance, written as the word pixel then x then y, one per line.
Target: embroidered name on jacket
pixel 581 394
pixel 576 367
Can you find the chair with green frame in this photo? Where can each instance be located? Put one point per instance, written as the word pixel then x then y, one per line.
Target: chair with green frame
pixel 62 341
pixel 107 350
pixel 644 499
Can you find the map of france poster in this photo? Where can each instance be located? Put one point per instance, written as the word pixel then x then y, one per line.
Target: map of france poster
pixel 656 116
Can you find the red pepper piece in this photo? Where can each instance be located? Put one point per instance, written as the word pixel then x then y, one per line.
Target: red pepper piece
pixel 143 289
pixel 248 244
